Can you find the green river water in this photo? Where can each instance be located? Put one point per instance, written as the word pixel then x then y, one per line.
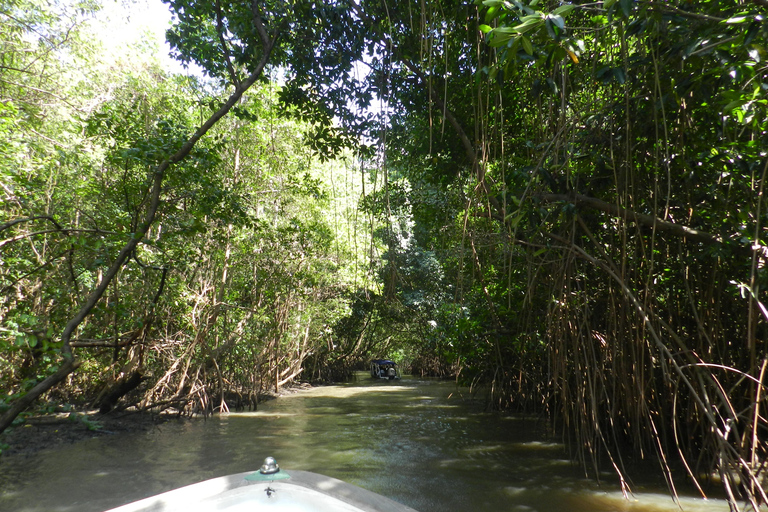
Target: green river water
pixel 417 441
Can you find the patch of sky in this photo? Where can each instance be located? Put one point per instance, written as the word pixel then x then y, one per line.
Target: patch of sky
pixel 128 27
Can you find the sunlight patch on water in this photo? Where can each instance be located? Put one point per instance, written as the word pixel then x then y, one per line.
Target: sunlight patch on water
pixel 483 448
pixel 539 446
pixel 347 392
pixel 423 405
pixel 447 463
pixel 647 502
pixel 256 414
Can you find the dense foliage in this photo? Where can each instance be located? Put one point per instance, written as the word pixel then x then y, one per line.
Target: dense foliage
pixel 559 202
pixel 590 180
pixel 253 254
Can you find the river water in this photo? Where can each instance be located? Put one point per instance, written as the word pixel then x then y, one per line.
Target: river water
pixel 417 441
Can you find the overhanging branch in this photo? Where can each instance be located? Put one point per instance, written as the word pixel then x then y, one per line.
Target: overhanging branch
pixel 650 221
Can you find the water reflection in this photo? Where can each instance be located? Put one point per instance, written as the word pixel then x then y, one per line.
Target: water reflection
pixel 405 439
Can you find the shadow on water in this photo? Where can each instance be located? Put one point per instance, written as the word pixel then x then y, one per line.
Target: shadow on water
pixel 415 440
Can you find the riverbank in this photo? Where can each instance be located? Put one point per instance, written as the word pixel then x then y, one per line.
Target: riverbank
pixel 45 431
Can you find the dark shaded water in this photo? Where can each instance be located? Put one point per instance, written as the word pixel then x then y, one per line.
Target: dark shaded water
pixel 415 440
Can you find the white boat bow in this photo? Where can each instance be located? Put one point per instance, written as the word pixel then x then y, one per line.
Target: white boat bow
pixel 278 490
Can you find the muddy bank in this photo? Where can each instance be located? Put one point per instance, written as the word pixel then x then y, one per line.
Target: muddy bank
pixel 47 431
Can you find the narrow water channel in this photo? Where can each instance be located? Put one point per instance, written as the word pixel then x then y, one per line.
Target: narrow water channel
pixel 416 441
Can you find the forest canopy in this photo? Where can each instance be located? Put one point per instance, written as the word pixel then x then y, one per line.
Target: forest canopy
pixel 559 203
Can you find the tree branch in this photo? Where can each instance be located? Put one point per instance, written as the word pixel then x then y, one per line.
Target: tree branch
pixel 12 223
pixel 650 221
pixel 224 47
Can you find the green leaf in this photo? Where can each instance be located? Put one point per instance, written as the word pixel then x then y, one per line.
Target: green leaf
pixel 555 26
pixel 491 13
pixel 530 23
pixel 607 4
pixel 730 107
pixel 552 30
pixel 563 10
pixel 499 40
pixel 626 7
pixel 485 29
pixel 531 17
pixel 515 47
pixel 514 218
pixel 736 20
pixel 527 46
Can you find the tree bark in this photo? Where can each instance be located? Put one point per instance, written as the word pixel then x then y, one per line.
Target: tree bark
pixel 119 390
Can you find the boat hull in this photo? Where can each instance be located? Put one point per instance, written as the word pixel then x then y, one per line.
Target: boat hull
pixel 294 491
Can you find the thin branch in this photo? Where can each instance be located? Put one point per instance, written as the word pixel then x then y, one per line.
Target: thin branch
pixel 655 6
pixel 29 219
pixel 43 91
pixel 225 46
pixel 66 231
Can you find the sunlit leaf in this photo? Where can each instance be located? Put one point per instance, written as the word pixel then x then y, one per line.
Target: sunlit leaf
pixel 736 19
pixel 733 105
pixel 491 13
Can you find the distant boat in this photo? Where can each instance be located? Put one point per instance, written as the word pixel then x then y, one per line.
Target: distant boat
pixel 270 488
pixel 384 369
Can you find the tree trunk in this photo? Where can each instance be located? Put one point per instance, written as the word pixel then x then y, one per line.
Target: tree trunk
pixel 119 390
